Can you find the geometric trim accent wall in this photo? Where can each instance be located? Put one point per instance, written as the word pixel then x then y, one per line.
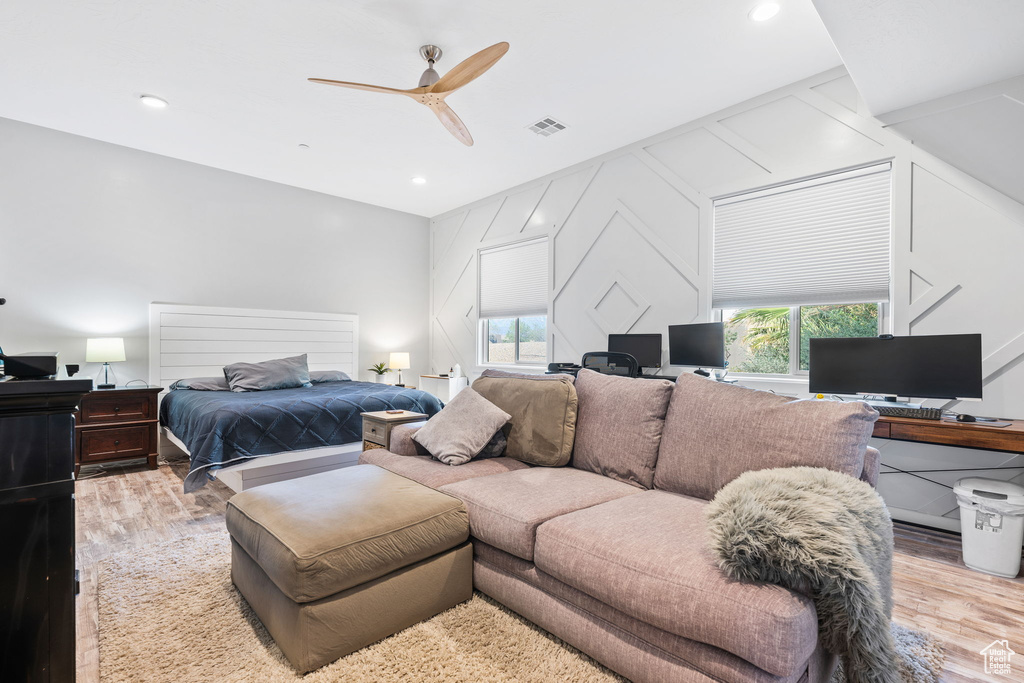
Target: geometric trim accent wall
pixel 630 247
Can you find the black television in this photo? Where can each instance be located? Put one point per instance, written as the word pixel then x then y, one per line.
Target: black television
pixel 927 366
pixel 700 345
pixel 646 348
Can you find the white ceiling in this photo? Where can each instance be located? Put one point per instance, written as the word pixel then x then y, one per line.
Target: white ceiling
pixel 234 72
pixel 908 52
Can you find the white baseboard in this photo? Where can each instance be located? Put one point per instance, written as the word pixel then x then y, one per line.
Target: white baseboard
pixel 289 465
pixel 270 468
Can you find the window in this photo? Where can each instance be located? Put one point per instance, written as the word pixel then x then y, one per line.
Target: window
pixel 788 261
pixel 514 302
pixel 760 340
pixel 517 340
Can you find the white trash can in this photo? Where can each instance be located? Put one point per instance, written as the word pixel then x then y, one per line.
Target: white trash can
pixel 992 524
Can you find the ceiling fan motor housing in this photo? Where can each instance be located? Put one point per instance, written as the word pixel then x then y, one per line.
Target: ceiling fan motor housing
pixel 431 53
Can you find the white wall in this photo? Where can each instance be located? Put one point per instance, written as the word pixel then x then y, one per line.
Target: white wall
pixel 91 233
pixel 631 237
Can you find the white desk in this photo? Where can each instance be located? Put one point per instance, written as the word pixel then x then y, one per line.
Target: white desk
pixel 444 388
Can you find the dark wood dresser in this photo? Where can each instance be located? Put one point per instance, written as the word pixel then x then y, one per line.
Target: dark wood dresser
pixel 37 529
pixel 117 424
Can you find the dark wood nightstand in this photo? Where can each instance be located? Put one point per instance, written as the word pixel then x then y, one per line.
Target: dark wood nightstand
pixel 117 424
pixel 378 424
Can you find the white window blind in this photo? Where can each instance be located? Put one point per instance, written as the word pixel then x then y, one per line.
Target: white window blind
pixel 820 241
pixel 514 280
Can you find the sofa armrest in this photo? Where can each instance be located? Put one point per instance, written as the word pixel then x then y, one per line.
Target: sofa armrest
pixel 872 465
pixel 401 440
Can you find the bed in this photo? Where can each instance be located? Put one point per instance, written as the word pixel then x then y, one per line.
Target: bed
pixel 223 428
pixel 198 341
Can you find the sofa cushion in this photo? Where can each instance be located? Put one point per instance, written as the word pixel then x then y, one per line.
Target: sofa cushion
pixel 501 575
pixel 543 415
pixel 318 535
pixel 462 429
pixel 714 432
pixel 506 509
pixel 433 473
pixel 619 426
pixel 646 555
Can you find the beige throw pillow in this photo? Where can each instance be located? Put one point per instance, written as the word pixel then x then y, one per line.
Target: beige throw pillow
pixel 462 429
pixel 542 426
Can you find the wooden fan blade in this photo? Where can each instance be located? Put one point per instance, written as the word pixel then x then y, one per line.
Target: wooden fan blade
pixel 469 69
pixel 414 92
pixel 452 122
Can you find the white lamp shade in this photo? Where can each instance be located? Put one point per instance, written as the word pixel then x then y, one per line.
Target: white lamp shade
pixel 399 361
pixel 104 350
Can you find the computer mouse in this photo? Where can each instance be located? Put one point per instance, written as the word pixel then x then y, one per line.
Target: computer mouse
pixel 966 418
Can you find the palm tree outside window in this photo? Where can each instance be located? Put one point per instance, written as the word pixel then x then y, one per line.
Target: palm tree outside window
pixel 762 340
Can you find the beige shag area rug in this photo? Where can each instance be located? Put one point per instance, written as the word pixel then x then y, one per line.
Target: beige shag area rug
pixel 170 613
pixel 919 655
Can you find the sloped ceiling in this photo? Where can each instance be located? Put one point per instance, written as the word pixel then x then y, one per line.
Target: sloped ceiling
pixel 234 72
pixel 946 74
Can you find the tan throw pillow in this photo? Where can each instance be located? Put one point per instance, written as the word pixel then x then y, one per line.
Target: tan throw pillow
pixel 715 432
pixel 462 429
pixel 542 425
pixel 620 423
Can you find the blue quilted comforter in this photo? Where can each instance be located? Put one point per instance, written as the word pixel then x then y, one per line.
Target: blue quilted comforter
pixel 224 428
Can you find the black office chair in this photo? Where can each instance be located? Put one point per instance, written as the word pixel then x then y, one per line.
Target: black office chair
pixel 611 363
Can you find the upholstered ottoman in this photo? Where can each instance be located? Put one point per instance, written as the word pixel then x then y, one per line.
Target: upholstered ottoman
pixel 335 561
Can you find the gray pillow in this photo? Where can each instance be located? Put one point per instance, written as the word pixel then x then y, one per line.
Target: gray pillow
pixel 321 376
pixel 282 373
pixel 462 429
pixel 495 448
pixel 202 384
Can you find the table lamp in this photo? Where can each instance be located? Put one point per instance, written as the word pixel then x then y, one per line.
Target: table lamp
pixel 105 350
pixel 399 361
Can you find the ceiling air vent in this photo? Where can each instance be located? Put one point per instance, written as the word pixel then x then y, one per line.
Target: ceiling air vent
pixel 548 126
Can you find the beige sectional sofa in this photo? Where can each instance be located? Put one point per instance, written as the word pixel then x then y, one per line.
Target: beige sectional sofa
pixel 609 552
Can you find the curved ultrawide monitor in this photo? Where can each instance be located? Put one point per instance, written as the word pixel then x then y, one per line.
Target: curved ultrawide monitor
pixel 700 345
pixel 932 366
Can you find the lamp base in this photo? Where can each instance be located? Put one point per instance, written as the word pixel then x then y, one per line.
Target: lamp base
pixel 106 379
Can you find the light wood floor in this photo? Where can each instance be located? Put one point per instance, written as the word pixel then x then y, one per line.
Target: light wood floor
pixel 125 507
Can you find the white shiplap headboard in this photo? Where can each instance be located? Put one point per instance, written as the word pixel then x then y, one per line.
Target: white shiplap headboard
pixel 198 341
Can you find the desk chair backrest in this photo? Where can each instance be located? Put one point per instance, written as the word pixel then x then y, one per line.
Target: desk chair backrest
pixel 611 363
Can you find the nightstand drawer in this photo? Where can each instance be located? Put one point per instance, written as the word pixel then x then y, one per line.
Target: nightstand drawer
pixel 375 432
pixel 115 443
pixel 115 408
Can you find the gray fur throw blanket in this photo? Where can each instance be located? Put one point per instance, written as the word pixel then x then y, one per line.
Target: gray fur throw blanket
pixel 823 534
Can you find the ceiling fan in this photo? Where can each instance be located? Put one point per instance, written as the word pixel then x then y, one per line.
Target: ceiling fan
pixel 433 88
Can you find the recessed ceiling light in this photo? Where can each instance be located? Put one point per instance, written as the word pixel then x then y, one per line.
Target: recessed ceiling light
pixel 153 101
pixel 419 180
pixel 764 11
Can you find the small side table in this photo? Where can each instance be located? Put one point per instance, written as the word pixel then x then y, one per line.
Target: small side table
pixel 377 426
pixel 117 424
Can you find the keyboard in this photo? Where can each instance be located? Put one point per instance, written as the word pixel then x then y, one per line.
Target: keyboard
pixel 919 413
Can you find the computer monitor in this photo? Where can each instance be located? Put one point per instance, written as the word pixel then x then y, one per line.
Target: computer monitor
pixel 700 345
pixel 646 348
pixel 932 366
